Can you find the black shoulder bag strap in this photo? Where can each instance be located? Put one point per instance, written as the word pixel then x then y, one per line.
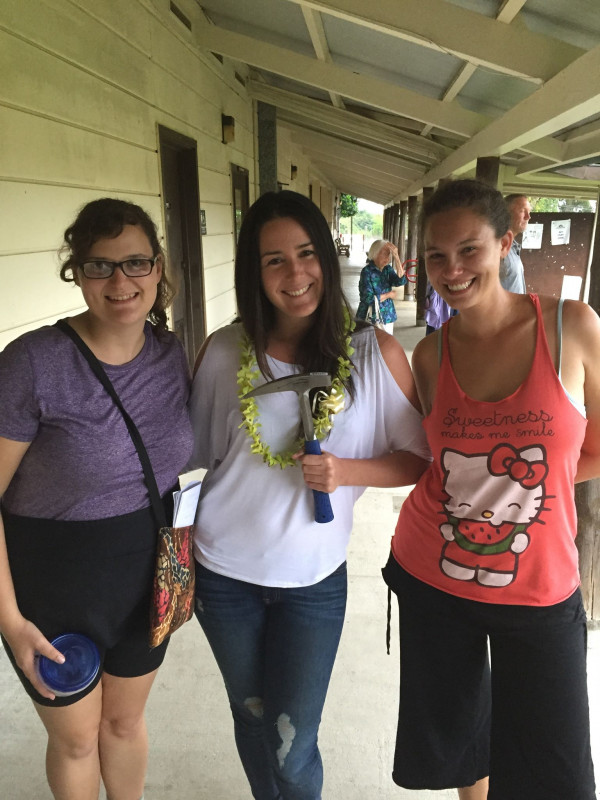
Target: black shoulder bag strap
pixel 97 369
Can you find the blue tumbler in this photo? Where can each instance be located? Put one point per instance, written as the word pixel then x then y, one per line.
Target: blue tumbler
pixel 82 661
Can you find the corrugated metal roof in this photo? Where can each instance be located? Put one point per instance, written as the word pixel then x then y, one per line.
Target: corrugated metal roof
pixel 516 79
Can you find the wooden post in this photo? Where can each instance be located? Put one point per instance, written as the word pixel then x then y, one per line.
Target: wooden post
pixel 413 236
pixel 402 233
pixel 386 216
pixel 488 170
pixel 399 292
pixel 395 223
pixel 587 501
pixel 421 287
pixel 587 494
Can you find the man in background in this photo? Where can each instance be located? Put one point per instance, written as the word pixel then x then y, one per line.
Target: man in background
pixel 512 276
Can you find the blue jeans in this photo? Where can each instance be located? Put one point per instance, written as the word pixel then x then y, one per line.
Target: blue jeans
pixel 275 649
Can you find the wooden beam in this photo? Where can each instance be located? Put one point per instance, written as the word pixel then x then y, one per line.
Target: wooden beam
pixel 549 184
pixel 332 147
pixel 583 148
pixel 568 97
pixel 331 77
pixel 589 129
pixel 509 10
pixel 454 89
pixel 374 194
pixel 336 171
pixel 448 28
pixel 387 183
pixel 316 31
pixel 365 130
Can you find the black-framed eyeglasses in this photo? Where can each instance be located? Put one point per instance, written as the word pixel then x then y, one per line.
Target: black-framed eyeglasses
pixel 132 267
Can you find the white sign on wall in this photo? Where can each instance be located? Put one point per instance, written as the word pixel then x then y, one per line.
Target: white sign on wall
pixel 571 287
pixel 532 236
pixel 560 231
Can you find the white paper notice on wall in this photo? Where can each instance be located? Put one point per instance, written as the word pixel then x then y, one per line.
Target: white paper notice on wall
pixel 532 236
pixel 560 232
pixel 571 287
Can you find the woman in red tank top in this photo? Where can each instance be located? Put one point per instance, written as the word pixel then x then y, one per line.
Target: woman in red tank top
pixel 484 554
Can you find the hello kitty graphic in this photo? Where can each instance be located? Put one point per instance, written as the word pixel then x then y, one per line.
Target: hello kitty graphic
pixel 492 500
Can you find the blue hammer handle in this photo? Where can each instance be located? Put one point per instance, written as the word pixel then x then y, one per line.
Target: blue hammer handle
pixel 323 510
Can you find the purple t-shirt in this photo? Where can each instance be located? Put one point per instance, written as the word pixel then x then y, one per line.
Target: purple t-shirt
pixel 82 463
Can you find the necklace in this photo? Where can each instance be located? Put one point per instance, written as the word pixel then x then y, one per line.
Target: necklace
pixel 325 404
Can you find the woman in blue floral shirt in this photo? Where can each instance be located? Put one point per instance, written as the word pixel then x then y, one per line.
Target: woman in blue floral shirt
pixel 377 279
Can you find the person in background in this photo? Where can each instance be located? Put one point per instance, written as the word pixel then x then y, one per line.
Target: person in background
pixel 512 274
pixel 77 534
pixel 270 581
pixel 437 311
pixel 377 281
pixel 484 551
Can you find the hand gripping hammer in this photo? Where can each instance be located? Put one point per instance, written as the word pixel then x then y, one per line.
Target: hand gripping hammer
pixel 302 385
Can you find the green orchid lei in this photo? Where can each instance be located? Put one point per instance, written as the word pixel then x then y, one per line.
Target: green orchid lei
pixel 328 403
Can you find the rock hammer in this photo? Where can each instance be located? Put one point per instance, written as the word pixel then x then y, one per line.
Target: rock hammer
pixel 302 385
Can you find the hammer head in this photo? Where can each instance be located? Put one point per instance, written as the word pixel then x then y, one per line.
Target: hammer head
pixel 302 385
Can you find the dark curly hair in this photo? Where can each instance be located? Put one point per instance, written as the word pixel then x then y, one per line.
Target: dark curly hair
pixel 105 219
pixel 326 340
pixel 481 198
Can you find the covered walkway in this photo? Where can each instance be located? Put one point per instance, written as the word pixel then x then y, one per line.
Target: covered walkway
pixel 192 753
pixel 322 97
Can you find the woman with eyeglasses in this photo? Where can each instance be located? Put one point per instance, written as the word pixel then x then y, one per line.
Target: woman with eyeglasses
pixel 77 534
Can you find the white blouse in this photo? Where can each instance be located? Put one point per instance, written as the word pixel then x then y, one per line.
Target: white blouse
pixel 256 523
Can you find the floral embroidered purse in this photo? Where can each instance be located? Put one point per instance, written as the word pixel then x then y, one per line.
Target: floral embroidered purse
pixel 173 589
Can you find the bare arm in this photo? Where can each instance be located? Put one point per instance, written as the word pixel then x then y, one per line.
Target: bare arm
pixel 24 638
pixel 581 378
pixel 396 259
pixel 425 364
pixel 398 268
pixel 400 468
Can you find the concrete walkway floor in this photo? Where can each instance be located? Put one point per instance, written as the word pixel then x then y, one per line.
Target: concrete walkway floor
pixel 192 752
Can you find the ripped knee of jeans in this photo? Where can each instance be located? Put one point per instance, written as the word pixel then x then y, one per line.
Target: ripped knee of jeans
pixel 254 706
pixel 286 732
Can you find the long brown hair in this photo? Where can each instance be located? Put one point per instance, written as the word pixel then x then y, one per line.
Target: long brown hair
pixel 325 341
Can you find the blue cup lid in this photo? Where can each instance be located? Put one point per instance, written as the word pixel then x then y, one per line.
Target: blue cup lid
pixel 82 661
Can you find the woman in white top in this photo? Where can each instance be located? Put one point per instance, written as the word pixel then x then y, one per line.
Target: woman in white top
pixel 271 582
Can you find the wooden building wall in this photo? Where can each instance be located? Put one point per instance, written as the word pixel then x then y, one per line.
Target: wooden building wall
pixel 85 85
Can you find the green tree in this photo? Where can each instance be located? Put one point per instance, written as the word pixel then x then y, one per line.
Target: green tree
pixel 581 206
pixel 363 222
pixel 348 205
pixel 368 223
pixel 559 204
pixel 552 204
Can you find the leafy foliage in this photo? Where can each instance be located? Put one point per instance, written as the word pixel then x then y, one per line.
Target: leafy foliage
pixel 348 205
pixel 365 222
pixel 559 204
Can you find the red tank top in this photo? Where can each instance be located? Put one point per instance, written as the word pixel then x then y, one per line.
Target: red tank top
pixel 493 518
